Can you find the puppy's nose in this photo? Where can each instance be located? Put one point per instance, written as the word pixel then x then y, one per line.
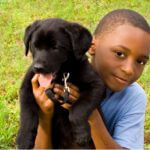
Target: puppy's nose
pixel 38 68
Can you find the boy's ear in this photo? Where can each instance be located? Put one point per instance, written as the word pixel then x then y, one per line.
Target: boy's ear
pixel 80 38
pixel 28 34
pixel 92 49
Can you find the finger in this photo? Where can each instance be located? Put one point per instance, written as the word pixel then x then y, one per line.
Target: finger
pixel 66 106
pixel 41 90
pixel 72 99
pixel 34 81
pixel 69 84
pixel 59 91
pixel 74 93
pixel 72 86
pixel 45 103
pixel 50 86
pixel 59 86
pixel 38 93
pixel 60 101
pixel 42 98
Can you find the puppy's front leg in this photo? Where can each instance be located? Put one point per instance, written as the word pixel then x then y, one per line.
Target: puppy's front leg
pixel 29 115
pixel 28 127
pixel 80 112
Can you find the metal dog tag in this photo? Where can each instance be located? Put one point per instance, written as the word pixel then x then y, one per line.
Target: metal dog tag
pixel 66 88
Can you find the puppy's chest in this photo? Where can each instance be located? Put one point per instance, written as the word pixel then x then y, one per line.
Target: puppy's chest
pixel 76 73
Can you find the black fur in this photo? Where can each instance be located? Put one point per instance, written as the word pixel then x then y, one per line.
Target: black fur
pixel 60 46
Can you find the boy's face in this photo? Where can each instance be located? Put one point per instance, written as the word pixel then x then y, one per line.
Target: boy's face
pixel 120 55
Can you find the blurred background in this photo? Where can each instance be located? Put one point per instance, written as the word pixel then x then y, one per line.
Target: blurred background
pixel 15 16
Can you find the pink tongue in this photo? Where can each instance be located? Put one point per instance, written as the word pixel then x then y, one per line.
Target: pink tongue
pixel 45 80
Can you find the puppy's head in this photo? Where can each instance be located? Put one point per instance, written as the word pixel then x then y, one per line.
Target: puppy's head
pixel 53 41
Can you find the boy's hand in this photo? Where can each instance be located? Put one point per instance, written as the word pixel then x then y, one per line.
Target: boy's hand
pixel 73 95
pixel 46 105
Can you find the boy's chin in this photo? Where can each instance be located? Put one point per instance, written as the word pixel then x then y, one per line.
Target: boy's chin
pixel 116 88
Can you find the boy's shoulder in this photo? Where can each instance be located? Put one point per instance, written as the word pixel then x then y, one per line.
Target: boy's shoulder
pixel 127 121
pixel 134 92
pixel 131 92
pixel 134 87
pixel 125 104
pixel 131 98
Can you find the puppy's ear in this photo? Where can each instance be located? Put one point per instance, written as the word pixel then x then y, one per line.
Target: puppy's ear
pixel 80 38
pixel 28 34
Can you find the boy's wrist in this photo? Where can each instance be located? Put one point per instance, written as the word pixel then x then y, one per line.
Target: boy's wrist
pixel 93 117
pixel 45 118
pixel 45 125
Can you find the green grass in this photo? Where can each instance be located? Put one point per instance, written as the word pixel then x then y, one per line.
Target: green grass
pixel 15 15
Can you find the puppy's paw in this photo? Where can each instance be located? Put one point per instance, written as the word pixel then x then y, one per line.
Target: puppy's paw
pixel 50 95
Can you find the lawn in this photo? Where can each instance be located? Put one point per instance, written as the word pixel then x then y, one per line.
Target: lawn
pixel 15 15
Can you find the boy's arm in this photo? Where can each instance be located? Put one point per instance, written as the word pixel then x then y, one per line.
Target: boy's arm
pixel 43 138
pixel 101 137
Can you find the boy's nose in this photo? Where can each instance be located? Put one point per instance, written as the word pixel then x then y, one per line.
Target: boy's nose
pixel 128 68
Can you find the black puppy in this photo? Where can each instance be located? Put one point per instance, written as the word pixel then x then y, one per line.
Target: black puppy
pixel 59 47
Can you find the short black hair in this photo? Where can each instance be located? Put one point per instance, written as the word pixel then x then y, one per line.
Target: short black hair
pixel 120 17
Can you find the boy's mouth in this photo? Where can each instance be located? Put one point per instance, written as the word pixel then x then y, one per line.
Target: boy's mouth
pixel 121 80
pixel 45 80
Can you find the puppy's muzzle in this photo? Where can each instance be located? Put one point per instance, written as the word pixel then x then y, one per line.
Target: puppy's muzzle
pixel 38 68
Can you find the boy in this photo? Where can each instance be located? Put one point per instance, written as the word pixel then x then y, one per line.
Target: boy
pixel 120 50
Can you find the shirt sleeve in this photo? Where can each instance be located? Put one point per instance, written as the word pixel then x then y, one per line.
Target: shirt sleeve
pixel 129 129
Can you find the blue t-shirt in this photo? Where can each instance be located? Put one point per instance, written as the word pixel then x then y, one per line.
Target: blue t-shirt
pixel 124 113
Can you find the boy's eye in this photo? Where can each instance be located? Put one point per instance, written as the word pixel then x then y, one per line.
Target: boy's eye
pixel 141 62
pixel 120 54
